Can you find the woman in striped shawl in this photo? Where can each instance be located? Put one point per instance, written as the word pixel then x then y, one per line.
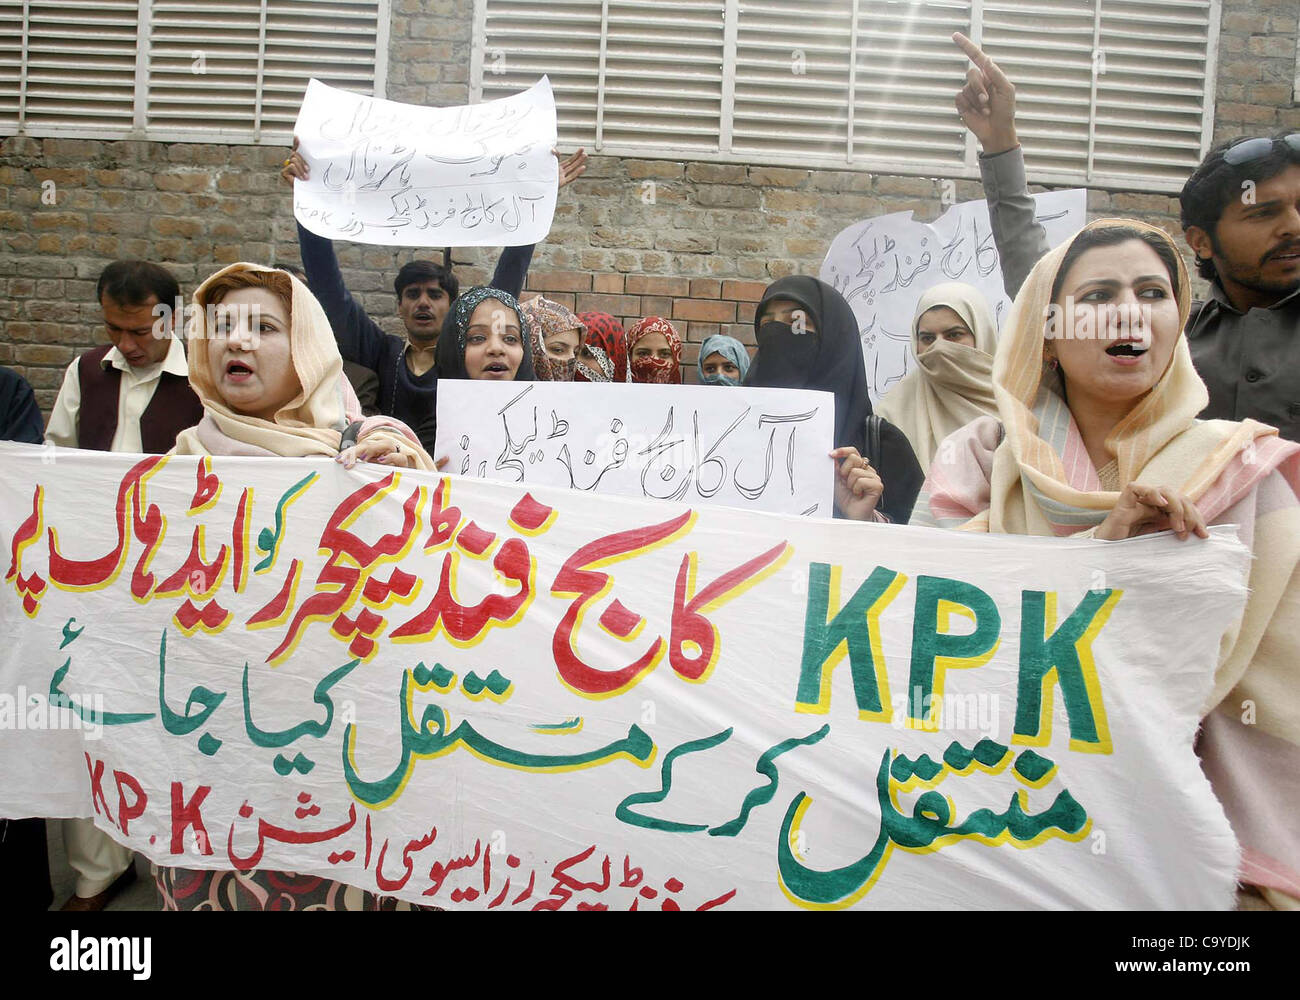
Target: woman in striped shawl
pixel 1097 435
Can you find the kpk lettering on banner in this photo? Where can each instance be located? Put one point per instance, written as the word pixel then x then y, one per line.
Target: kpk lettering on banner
pixel 489 695
pixel 761 449
pixel 882 266
pixel 403 175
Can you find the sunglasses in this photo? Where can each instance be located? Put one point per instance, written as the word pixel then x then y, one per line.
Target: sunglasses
pixel 1257 149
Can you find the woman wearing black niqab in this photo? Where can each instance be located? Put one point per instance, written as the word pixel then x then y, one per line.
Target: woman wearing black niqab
pixel 808 339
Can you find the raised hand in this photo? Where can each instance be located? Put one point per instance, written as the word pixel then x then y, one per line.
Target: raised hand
pixel 571 168
pixel 1144 509
pixel 987 104
pixel 295 166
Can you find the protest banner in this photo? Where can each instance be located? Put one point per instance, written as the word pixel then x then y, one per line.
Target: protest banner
pixel 761 449
pixel 402 175
pixel 882 266
pixel 491 696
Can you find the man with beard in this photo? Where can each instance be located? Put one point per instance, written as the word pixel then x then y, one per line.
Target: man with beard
pixel 1241 217
pixel 408 384
pixel 1240 212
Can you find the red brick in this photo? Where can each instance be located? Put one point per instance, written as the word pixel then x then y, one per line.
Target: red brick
pixel 791 201
pixel 744 332
pixel 611 283
pixel 45 378
pixel 43 354
pixel 638 169
pixel 615 305
pixel 707 311
pixel 656 305
pixel 645 284
pixel 777 176
pixel 560 281
pixel 743 291
pixel 698 332
pixel 717 173
pixel 58 220
pixel 705 288
pixel 686 242
pixel 183 182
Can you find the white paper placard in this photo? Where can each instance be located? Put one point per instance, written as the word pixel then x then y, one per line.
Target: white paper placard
pixel 761 449
pixel 403 175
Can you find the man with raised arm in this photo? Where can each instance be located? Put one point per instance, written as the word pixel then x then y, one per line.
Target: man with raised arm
pixel 1240 213
pixel 408 385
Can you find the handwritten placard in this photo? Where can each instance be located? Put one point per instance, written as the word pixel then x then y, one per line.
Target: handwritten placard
pixel 491 696
pixel 402 175
pixel 883 265
pixel 763 449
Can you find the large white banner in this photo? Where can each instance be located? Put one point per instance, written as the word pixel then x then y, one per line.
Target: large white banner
pixel 403 175
pixel 883 265
pixel 491 696
pixel 761 449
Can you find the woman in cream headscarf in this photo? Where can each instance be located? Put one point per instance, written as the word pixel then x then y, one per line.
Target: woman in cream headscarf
pixel 264 364
pixel 1097 435
pixel 270 377
pixel 953 336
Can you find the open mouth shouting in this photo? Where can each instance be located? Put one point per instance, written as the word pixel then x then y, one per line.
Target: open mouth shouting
pixel 1128 352
pixel 496 369
pixel 238 372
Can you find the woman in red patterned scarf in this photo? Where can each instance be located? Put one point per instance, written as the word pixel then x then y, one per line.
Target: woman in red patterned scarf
pixel 603 356
pixel 655 351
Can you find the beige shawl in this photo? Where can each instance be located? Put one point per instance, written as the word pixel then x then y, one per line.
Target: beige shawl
pixel 312 423
pixel 952 383
pixel 1032 476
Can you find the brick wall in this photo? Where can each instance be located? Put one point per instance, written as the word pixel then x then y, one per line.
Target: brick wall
pixel 695 242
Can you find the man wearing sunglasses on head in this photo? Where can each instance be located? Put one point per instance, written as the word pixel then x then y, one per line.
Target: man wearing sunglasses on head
pixel 1241 217
pixel 1240 212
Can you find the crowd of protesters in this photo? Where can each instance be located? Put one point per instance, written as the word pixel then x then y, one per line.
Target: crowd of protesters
pixel 1176 414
